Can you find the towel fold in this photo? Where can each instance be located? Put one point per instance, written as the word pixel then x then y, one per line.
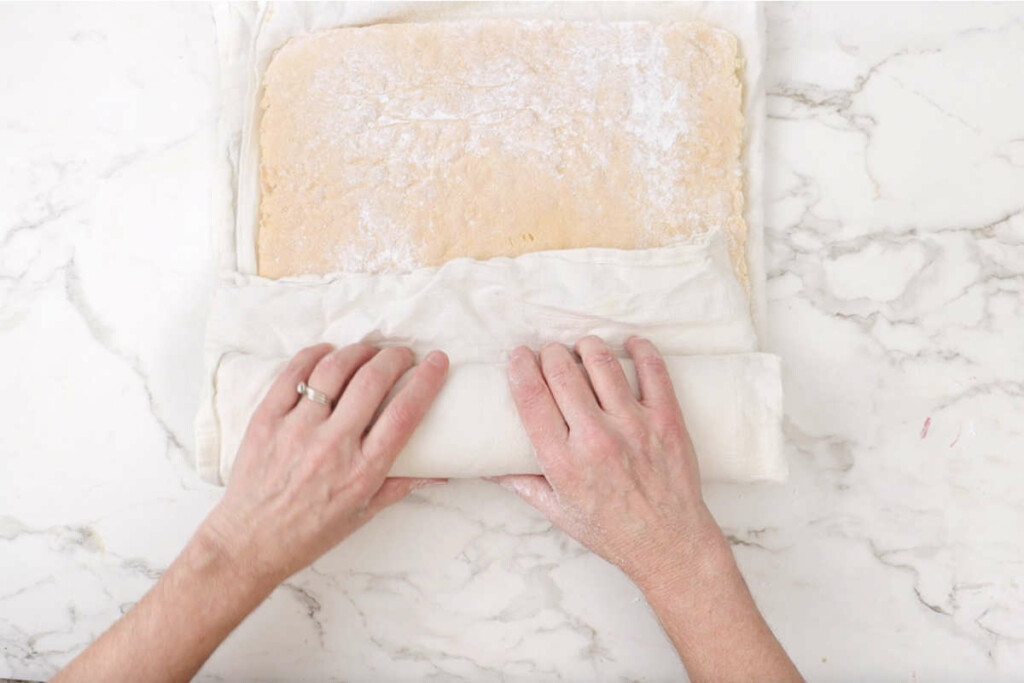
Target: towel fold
pixel 684 298
pixel 732 406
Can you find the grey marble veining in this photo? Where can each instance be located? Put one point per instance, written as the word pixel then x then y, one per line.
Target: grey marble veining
pixel 895 200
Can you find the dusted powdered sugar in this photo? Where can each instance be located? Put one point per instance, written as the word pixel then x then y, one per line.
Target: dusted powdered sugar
pixel 390 147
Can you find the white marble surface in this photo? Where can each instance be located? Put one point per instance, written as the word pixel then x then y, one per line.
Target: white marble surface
pixel 896 263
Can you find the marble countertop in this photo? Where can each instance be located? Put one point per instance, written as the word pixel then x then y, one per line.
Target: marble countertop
pixel 895 213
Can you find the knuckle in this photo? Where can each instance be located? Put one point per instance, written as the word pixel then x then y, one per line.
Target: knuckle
pixel 598 438
pixel 370 378
pixel 601 357
pixel 347 443
pixel 671 428
pixel 664 421
pixel 402 415
pixel 558 371
pixel 530 393
pixel 324 368
pixel 637 431
pixel 364 479
pixel 651 361
pixel 361 348
pixel 318 455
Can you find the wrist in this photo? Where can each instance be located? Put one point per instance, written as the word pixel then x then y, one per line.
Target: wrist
pixel 684 561
pixel 220 548
pixel 706 609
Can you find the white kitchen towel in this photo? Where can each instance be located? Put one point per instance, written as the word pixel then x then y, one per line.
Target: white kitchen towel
pixel 732 405
pixel 683 297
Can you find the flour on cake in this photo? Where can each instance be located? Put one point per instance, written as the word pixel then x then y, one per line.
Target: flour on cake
pixel 394 146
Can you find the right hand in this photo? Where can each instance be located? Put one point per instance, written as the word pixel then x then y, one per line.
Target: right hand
pixel 620 474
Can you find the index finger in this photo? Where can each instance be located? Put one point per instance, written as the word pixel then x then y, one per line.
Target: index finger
pixel 404 412
pixel 652 375
pixel 537 408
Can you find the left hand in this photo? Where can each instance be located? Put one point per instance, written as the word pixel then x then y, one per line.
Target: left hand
pixel 308 476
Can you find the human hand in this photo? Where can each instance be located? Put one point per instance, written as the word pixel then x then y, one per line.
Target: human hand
pixel 620 474
pixel 307 476
pixel 621 477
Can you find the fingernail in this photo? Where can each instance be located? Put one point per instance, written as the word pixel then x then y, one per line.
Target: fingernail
pixel 519 353
pixel 437 359
pixel 428 484
pixel 516 360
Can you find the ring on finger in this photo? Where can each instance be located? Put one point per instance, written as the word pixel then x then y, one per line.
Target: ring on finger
pixel 314 395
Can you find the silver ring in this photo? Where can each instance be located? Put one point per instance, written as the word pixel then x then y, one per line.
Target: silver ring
pixel 314 395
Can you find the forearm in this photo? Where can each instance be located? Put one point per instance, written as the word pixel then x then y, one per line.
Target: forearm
pixel 706 609
pixel 178 624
